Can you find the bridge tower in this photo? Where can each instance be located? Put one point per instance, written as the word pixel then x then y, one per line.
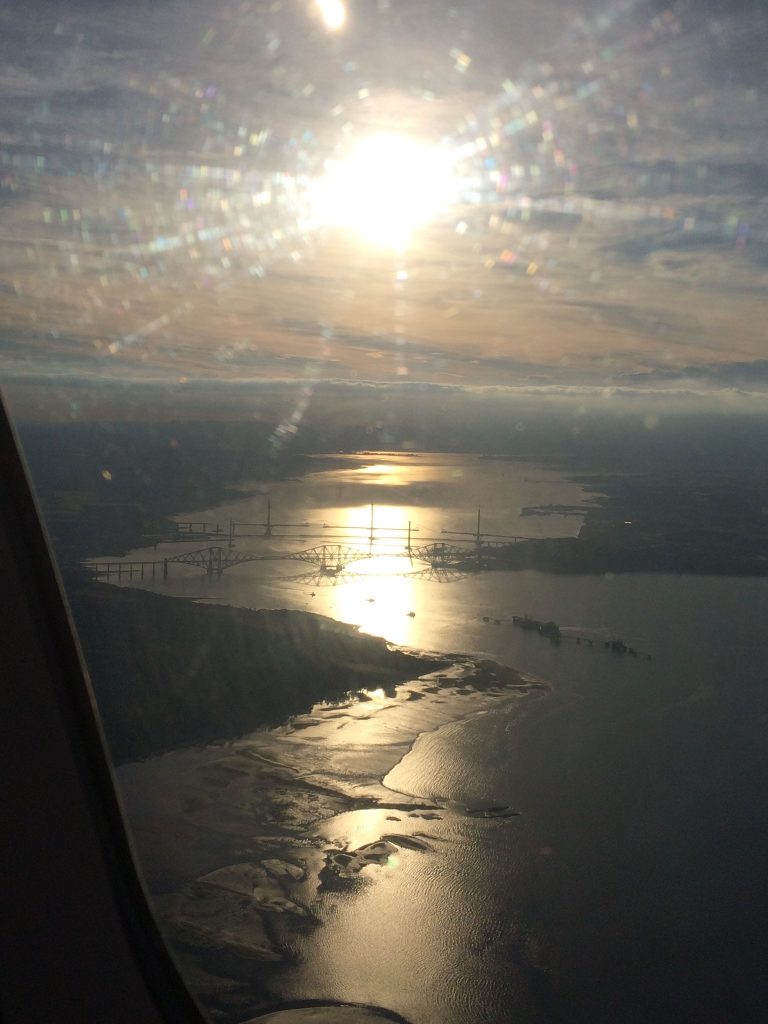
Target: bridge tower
pixel 268 527
pixel 214 562
pixel 331 563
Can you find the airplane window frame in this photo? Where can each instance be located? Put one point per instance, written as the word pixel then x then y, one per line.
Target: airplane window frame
pixel 79 937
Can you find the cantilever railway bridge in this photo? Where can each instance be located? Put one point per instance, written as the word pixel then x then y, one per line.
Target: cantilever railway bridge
pixel 328 559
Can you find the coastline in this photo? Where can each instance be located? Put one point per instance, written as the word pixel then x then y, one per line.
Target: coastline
pixel 168 672
pixel 241 842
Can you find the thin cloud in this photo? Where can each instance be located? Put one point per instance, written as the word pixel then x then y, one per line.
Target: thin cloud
pixel 612 225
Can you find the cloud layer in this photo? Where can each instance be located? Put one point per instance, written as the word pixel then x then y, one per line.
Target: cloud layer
pixel 611 228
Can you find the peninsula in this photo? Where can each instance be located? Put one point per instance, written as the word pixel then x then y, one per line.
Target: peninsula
pixel 168 672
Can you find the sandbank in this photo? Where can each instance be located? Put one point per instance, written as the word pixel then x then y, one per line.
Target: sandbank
pixel 241 840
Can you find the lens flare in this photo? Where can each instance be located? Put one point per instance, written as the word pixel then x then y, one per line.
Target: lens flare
pixel 386 187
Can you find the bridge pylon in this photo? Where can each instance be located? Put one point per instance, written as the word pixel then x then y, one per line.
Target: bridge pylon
pixel 214 562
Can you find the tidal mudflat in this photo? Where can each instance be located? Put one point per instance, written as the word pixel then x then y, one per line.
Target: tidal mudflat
pixel 241 843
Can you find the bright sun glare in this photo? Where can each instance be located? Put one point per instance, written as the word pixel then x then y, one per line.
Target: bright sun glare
pixel 388 186
pixel 333 13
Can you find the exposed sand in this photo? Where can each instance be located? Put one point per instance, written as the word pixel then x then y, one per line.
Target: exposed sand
pixel 239 841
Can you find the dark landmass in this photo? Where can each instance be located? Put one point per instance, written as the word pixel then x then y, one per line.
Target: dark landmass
pixel 727 556
pixel 106 488
pixel 682 521
pixel 169 673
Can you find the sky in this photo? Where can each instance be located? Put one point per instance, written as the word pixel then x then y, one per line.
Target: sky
pixel 604 228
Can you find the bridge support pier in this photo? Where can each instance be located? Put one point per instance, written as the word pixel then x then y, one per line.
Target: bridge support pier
pixel 215 566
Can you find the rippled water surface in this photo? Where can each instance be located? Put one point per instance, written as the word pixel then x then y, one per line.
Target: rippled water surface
pixel 626 889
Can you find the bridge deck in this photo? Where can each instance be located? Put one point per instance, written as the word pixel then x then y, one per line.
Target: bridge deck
pixel 329 558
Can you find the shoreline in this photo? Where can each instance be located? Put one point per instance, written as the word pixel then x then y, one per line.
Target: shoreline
pixel 283 816
pixel 169 672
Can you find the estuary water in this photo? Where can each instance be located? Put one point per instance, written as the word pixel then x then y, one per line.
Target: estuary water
pixel 629 885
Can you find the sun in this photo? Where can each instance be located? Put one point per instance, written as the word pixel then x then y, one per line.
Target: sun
pixel 385 188
pixel 333 13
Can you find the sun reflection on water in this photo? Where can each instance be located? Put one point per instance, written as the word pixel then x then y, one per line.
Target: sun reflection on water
pixel 378 595
pixel 378 601
pixel 386 473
